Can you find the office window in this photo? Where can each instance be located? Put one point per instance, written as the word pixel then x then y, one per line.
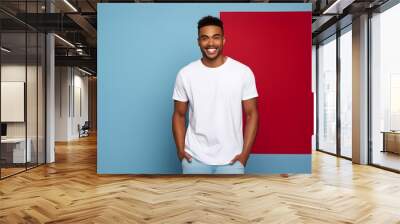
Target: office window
pixel 385 88
pixel 346 93
pixel 314 86
pixel 327 95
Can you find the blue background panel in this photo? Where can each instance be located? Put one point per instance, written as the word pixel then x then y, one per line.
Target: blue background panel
pixel 141 47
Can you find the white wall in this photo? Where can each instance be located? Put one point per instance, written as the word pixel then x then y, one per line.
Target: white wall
pixel 81 84
pixel 15 72
pixel 71 94
pixel 62 81
pixel 9 73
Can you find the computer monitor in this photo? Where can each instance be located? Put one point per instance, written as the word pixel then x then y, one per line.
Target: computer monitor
pixel 3 129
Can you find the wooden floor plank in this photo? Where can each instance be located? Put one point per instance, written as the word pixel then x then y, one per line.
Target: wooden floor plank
pixel 70 191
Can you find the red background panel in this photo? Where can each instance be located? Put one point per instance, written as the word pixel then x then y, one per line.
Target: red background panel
pixel 277 47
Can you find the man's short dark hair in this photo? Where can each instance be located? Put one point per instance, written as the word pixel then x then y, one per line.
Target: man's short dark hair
pixel 210 20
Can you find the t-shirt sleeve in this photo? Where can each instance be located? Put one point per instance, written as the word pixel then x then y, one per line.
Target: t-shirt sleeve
pixel 179 89
pixel 249 86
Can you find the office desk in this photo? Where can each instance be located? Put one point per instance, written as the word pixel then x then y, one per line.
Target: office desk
pixel 15 148
pixel 391 141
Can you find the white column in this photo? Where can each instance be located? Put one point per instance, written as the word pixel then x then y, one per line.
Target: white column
pixel 50 92
pixel 360 90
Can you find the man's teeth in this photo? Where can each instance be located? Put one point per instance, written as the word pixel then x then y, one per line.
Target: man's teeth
pixel 211 50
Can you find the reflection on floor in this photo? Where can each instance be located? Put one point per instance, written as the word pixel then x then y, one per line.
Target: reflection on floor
pixel 10 169
pixel 387 159
pixel 346 152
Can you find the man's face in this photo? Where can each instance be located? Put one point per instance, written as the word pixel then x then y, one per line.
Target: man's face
pixel 211 41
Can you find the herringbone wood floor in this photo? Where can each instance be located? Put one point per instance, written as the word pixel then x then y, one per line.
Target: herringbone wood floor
pixel 70 191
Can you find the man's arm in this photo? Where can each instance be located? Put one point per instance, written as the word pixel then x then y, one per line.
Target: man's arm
pixel 179 128
pixel 250 131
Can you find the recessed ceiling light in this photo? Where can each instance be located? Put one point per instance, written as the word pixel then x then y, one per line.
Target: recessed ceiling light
pixel 65 41
pixel 337 7
pixel 5 50
pixel 84 71
pixel 70 5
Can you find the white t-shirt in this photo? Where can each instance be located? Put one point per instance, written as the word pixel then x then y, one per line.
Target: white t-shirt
pixel 215 134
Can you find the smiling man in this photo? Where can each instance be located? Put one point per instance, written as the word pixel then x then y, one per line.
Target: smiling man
pixel 216 89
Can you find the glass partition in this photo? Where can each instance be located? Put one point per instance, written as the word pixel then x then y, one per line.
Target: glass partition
pixel 22 77
pixel 14 153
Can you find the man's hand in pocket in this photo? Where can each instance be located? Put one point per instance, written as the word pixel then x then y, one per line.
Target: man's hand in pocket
pixel 242 158
pixel 184 155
